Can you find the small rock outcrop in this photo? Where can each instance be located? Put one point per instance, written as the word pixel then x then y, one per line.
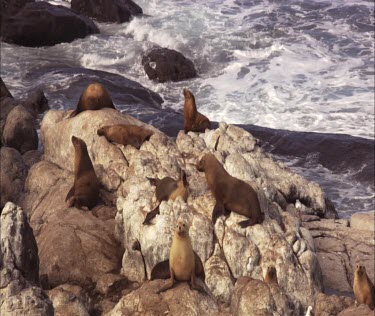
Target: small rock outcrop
pixel 43 24
pixel 36 103
pixel 363 221
pixel 362 310
pixel 19 130
pixel 117 11
pixel 163 64
pixel 19 263
pixel 331 305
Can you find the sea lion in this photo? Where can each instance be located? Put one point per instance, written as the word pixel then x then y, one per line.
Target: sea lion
pixel 271 276
pixel 182 258
pixel 94 97
pixel 168 189
pixel 193 120
pixel 85 190
pixel 125 134
pixel 231 194
pixel 363 288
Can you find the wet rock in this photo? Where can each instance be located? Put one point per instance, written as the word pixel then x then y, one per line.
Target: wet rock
pixel 36 103
pixel 19 263
pixel 339 248
pixel 363 221
pixel 331 305
pixel 4 92
pixel 163 64
pixel 12 175
pixel 118 11
pixel 70 300
pixel 19 130
pixel 43 24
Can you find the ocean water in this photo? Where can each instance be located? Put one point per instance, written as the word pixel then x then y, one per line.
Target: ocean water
pixel 286 64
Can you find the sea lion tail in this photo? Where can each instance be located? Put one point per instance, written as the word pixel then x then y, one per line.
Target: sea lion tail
pixel 151 215
pixel 73 114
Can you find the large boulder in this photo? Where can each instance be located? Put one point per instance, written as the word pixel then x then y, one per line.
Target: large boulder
pixel 163 64
pixel 331 305
pixel 12 175
pixel 19 264
pixel 107 10
pixel 19 130
pixel 340 248
pixel 43 24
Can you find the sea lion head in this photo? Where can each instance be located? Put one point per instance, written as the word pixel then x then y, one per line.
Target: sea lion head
pixel 101 131
pixel 271 272
pixel 188 95
pixel 360 270
pixel 204 161
pixel 182 228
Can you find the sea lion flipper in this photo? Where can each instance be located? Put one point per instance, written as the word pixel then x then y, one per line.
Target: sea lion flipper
pixel 70 193
pixel 151 215
pixel 247 223
pixel 218 211
pixel 199 270
pixel 169 285
pixel 73 114
pixel 195 285
pixel 161 271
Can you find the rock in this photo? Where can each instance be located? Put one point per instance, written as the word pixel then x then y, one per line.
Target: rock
pixel 10 7
pixel 19 130
pixel 31 157
pixel 363 221
pixel 70 300
pixel 36 103
pixel 163 64
pixel 362 310
pixel 331 305
pixel 56 24
pixel 107 10
pixel 19 263
pixel 74 245
pixel 339 248
pixel 110 283
pixel 254 297
pixel 181 300
pixel 12 175
pixel 4 92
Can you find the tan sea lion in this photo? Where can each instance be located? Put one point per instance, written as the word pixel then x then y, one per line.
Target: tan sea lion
pixel 85 190
pixel 168 189
pixel 363 288
pixel 271 276
pixel 125 134
pixel 231 194
pixel 193 120
pixel 94 97
pixel 182 258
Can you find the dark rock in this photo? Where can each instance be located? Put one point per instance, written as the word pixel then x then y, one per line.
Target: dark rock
pixel 9 7
pixel 19 130
pixel 31 157
pixel 107 10
pixel 4 92
pixel 7 104
pixel 43 24
pixel 12 175
pixel 36 103
pixel 163 64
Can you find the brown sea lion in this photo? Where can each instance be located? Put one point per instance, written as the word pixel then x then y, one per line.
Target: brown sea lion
pixel 94 97
pixel 271 276
pixel 182 259
pixel 231 194
pixel 168 189
pixel 193 120
pixel 125 134
pixel 85 190
pixel 363 288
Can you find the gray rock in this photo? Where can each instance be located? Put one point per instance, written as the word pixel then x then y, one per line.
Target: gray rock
pixel 363 221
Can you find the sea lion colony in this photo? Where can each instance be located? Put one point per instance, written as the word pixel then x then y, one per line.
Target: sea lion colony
pixel 231 194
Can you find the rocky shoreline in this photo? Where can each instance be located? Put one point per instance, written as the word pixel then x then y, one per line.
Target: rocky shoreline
pixel 86 262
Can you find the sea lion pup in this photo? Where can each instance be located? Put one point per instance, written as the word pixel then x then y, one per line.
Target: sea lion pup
pixel 363 288
pixel 168 189
pixel 182 258
pixel 271 276
pixel 193 120
pixel 231 194
pixel 85 190
pixel 125 134
pixel 94 97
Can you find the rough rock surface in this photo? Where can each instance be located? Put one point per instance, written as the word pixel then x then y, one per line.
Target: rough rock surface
pixel 36 102
pixel 363 221
pixel 12 175
pixel 362 310
pixel 43 24
pixel 163 64
pixel 339 248
pixel 278 241
pixel 331 305
pixel 4 92
pixel 19 130
pixel 19 263
pixel 107 10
